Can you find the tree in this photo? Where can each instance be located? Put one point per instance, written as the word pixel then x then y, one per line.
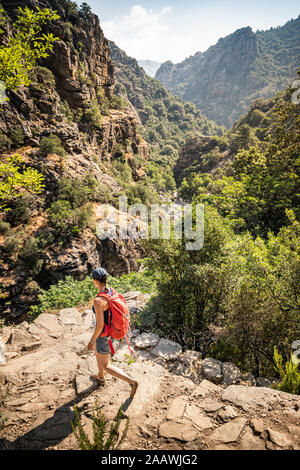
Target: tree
pixel 16 181
pixel 85 10
pixel 25 46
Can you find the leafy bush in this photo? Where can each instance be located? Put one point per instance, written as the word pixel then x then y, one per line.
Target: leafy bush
pixel 25 46
pixel 43 75
pixel 17 136
pixel 32 255
pixel 289 375
pixel 66 293
pixel 66 221
pixel 72 293
pixel 103 439
pixel 92 114
pixel 4 227
pixel 13 242
pixel 52 144
pixel 144 282
pixel 5 142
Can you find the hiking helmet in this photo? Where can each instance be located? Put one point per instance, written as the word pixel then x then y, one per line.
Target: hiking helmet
pixel 100 274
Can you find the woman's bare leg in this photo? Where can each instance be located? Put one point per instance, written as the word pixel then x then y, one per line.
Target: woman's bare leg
pixel 100 368
pixel 103 365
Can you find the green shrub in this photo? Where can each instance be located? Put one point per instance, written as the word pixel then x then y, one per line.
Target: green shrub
pixel 4 227
pixel 5 142
pixel 66 293
pixel 17 136
pixel 72 293
pixel 43 75
pixel 13 242
pixel 66 110
pixel 103 438
pixel 66 221
pixel 52 144
pixel 143 282
pixel 92 114
pixel 289 374
pixel 32 255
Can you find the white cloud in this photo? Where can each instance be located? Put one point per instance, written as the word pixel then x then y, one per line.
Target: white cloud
pixel 146 34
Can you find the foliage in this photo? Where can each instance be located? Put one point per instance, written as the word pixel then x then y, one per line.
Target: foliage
pixel 5 142
pixel 103 439
pixel 16 181
pixel 289 374
pixel 66 293
pixel 65 221
pixel 85 10
pixel 166 120
pixel 72 293
pixel 52 144
pixel 192 285
pixel 262 181
pixel 247 287
pixel 143 281
pixel 26 46
pixel 92 114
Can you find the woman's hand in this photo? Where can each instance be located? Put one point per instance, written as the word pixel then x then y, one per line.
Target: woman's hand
pixel 91 346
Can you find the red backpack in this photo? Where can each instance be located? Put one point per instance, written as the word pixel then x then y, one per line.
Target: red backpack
pixel 118 317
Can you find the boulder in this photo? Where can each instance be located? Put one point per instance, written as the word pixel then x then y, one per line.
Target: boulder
pixel 135 306
pixel 134 295
pixel 231 373
pixel 89 320
pixel 229 432
pixel 278 438
pixel 227 413
pixel 249 378
pixel 198 418
pixel 263 382
pixel 212 370
pixel 146 340
pixel 182 432
pixel 167 350
pixel 206 388
pixel 69 316
pixel 177 408
pixel 49 322
pixel 253 397
pixel 257 425
pixel 209 405
pixel 188 365
pixel 251 442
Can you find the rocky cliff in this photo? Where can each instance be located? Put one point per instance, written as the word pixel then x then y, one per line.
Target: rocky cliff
pixel 245 65
pixel 71 97
pixel 183 401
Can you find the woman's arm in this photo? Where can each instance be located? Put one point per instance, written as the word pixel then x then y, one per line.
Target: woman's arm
pixel 99 305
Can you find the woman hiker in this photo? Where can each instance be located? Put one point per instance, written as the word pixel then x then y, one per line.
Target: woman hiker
pixel 100 343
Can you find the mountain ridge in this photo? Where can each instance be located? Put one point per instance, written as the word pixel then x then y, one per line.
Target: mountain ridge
pixel 243 66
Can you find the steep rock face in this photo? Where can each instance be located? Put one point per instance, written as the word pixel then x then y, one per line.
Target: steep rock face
pixel 243 66
pixel 67 90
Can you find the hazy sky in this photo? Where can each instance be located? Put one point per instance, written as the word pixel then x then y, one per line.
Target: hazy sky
pixel 176 29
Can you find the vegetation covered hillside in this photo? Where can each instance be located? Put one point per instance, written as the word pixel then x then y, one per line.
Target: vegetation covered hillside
pixel 67 144
pixel 165 121
pixel 238 297
pixel 225 79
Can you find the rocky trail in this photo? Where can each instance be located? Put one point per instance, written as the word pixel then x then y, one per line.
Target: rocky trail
pixel 182 402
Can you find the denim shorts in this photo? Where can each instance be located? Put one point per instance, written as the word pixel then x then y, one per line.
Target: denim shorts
pixel 102 346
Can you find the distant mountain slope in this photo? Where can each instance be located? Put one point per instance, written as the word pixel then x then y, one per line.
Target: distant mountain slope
pixel 224 80
pixel 166 121
pixel 150 66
